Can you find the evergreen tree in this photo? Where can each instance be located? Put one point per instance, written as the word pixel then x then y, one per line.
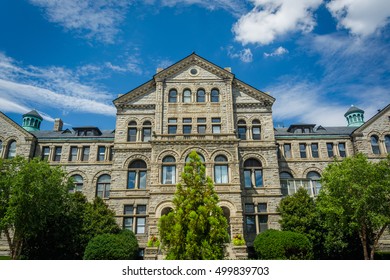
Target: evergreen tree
pixel 196 229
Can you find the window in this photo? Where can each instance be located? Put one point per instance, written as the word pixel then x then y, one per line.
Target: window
pixel 85 155
pixel 135 218
pixel 137 175
pixel 45 153
pixel 132 132
pixel 187 120
pixel 1 147
pixel 302 150
pixel 329 147
pixel 186 96
pixel 187 129
pixel 101 153
pixel 216 128
pixel 172 96
pixel 201 120
pixel 253 173
pixel 172 127
pixel 200 156
pixel 11 153
pixel 146 131
pixel 221 170
pixel 375 144
pixel 286 183
pixel 111 153
pixel 387 144
pixel 314 150
pixel 103 186
pixel 342 150
pixel 262 208
pixel 241 129
pixel 202 129
pixel 255 221
pixel 315 184
pixel 256 130
pixel 201 96
pixel 214 95
pixel 287 150
pixel 73 154
pixel 169 170
pixel 57 153
pixel 78 183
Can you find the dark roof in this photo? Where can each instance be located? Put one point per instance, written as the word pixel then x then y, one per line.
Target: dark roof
pixel 353 109
pixel 321 130
pixel 69 134
pixel 33 113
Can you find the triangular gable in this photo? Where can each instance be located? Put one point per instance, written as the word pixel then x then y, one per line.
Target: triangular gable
pixel 15 125
pixel 368 123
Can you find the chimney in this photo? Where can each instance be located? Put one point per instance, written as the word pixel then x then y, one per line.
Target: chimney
pixel 158 70
pixel 58 125
pixel 229 69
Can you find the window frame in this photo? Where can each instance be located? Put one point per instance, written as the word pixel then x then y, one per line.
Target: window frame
pixel 139 168
pixel 172 98
pixel 168 167
pixel 104 186
pixel 221 170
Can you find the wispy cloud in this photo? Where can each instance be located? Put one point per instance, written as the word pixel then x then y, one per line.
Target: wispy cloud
pixel 245 55
pixel 25 87
pixel 277 52
pixel 97 19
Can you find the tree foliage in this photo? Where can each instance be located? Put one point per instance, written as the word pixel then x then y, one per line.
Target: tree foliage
pixel 196 229
pixel 283 245
pixel 122 246
pixel 356 195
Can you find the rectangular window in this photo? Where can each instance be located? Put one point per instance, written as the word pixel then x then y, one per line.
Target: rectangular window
pixel 101 153
pixel 57 153
pixel 201 120
pixel 128 223
pixel 216 129
pixel 215 120
pixel 259 178
pixel 187 120
pixel 146 134
pixel 250 224
pixel 85 156
pixel 111 153
pixel 45 153
pixel 249 208
pixel 247 179
pixel 263 222
pixel 201 129
pixel 172 129
pixel 342 150
pixel 256 133
pixel 302 150
pixel 169 174
pixel 142 179
pixel 128 210
pixel 262 208
pixel 221 174
pixel 140 225
pixel 241 132
pixel 187 129
pixel 73 154
pixel 141 209
pixel 329 147
pixel 314 150
pixel 172 120
pixel 287 150
pixel 132 134
pixel 131 180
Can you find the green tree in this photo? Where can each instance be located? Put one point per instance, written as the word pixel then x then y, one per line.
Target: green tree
pixel 31 193
pixel 196 229
pixel 356 195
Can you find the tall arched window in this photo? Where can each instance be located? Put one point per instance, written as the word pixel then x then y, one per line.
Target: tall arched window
pixel 169 170
pixel 172 98
pixel 241 129
pixel 375 144
pixel 187 96
pixel 286 183
pixel 103 186
pixel 253 173
pixel 132 131
pixel 221 170
pixel 315 178
pixel 11 153
pixel 387 144
pixel 256 130
pixel 200 155
pixel 201 96
pixel 78 183
pixel 215 95
pixel 137 175
pixel 146 131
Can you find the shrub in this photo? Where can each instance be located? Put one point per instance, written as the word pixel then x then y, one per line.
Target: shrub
pixel 382 255
pixel 153 242
pixel 238 240
pixel 122 246
pixel 283 245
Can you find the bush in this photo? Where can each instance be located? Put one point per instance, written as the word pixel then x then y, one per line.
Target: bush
pixel 122 246
pixel 283 245
pixel 382 255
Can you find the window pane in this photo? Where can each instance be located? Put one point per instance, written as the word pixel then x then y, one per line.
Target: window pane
pixel 200 96
pixel 12 149
pixel 142 179
pixel 247 179
pixel 314 150
pixel 131 180
pixel 262 207
pixel 57 153
pixel 221 174
pixel 187 96
pixel 73 154
pixel 169 174
pixel 387 143
pixel 128 223
pixel 342 149
pixel 216 129
pixel 187 129
pixel 172 96
pixel 287 150
pixel 302 150
pixel 128 210
pixel 242 132
pixel 201 120
pixel 215 120
pixel 141 225
pixel 45 153
pixel 375 145
pixel 259 178
pixel 201 129
pixel 263 222
pixel 146 133
pixel 173 120
pixel 256 133
pixel 214 95
pixel 101 152
pixel 249 208
pixel 250 224
pixel 329 147
pixel 172 129
pixel 132 136
pixel 85 154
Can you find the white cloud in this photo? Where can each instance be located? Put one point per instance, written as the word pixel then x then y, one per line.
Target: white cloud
pixel 98 19
pixel 277 52
pixel 26 87
pixel 270 19
pixel 244 55
pixel 361 17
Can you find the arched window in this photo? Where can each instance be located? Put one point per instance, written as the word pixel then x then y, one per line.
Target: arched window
pixel 132 132
pixel 241 128
pixel 136 178
pixel 103 186
pixel 215 95
pixel 169 170
pixel 201 96
pixel 11 153
pixel 146 131
pixel 315 185
pixel 221 170
pixel 166 211
pixel 78 183
pixel 387 144
pixel 186 96
pixel 200 155
pixel 256 130
pixel 253 173
pixel 172 98
pixel 375 144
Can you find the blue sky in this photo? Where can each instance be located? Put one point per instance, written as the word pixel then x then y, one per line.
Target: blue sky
pixel 70 59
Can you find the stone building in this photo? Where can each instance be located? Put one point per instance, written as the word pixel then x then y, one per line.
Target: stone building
pixel 196 105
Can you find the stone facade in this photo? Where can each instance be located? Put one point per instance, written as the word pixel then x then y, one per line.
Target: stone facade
pixel 196 105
